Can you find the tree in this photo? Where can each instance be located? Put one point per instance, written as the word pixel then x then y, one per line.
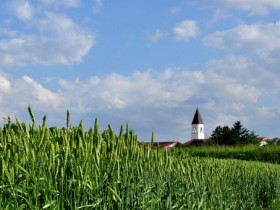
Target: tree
pixel 237 134
pixel 275 141
pixel 222 135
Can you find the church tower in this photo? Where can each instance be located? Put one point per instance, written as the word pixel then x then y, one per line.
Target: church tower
pixel 197 126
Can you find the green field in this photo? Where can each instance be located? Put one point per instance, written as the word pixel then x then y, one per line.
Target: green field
pixel 74 168
pixel 269 153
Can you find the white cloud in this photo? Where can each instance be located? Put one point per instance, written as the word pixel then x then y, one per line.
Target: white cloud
pixel 219 15
pixel 241 91
pixel 23 10
pixel 186 30
pixel 57 50
pixel 262 39
pixel 255 7
pixel 225 91
pixel 5 84
pixel 40 95
pixel 143 97
pixel 56 39
pixel 119 92
pixel 17 94
pixel 158 35
pixel 233 75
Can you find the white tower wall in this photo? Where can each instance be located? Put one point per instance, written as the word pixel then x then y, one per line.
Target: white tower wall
pixel 198 131
pixel 197 126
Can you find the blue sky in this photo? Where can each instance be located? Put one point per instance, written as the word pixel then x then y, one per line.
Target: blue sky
pixel 148 63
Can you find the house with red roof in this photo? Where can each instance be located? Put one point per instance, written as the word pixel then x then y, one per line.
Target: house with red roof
pixel 163 145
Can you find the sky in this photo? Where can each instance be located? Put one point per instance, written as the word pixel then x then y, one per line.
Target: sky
pixel 148 63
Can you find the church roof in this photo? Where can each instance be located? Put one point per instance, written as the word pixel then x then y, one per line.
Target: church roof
pixel 193 141
pixel 197 118
pixel 164 145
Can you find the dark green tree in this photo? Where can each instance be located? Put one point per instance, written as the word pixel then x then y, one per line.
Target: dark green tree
pixel 275 141
pixel 235 135
pixel 222 135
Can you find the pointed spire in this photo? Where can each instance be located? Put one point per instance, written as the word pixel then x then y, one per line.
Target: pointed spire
pixel 197 118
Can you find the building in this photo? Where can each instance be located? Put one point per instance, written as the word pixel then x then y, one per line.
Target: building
pixel 163 145
pixel 197 131
pixel 197 126
pixel 197 135
pixel 263 141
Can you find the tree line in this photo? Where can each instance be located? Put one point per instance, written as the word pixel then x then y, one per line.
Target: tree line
pixel 235 135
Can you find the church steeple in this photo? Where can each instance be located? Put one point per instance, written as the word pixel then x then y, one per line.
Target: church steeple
pixel 197 118
pixel 197 126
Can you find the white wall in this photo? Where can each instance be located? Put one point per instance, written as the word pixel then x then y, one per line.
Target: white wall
pixel 198 131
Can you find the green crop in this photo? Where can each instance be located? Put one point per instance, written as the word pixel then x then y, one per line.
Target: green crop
pixel 74 168
pixel 270 153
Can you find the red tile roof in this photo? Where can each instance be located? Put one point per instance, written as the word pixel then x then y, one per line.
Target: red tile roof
pixel 169 144
pixel 263 138
pixel 195 140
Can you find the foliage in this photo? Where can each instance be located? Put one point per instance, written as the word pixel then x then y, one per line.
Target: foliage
pixel 274 141
pixel 236 135
pixel 53 168
pixel 269 153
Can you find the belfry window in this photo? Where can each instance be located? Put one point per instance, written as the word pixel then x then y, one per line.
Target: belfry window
pixel 201 130
pixel 194 130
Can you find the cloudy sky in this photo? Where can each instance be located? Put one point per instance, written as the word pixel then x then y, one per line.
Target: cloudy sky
pixel 150 63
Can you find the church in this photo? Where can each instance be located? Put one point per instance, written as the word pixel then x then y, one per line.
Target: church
pixel 197 134
pixel 197 126
pixel 197 129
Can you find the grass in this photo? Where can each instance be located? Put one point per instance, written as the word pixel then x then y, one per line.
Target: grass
pixel 73 168
pixel 269 153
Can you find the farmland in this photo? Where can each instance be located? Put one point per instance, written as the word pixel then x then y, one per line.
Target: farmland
pixel 270 153
pixel 74 168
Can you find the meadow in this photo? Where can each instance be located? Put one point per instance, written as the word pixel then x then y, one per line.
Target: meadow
pixel 269 153
pixel 74 168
